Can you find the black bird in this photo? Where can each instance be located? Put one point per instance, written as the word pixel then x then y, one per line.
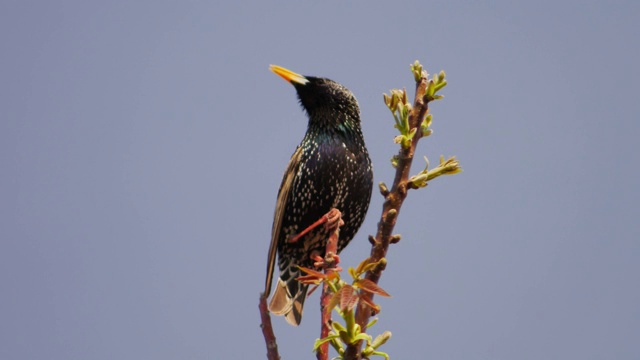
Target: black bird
pixel 329 169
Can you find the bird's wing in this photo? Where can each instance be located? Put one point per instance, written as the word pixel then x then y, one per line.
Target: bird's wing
pixel 281 203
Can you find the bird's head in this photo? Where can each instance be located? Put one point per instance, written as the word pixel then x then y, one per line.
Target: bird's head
pixel 323 99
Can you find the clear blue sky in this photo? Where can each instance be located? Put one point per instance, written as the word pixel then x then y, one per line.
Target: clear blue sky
pixel 142 145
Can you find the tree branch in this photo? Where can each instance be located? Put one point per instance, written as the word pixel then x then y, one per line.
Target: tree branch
pixel 394 199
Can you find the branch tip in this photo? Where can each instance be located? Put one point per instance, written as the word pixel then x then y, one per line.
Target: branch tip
pixel 383 189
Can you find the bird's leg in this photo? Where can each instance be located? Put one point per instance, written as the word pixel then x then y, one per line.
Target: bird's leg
pixel 332 222
pixel 329 219
pixel 304 232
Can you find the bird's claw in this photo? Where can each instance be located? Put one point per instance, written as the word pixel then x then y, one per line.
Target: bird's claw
pixel 332 218
pixel 330 260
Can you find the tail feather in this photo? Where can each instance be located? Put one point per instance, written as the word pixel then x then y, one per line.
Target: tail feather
pixel 288 304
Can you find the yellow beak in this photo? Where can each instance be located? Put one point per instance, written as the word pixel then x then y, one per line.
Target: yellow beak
pixel 288 75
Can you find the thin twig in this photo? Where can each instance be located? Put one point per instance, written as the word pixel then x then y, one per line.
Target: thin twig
pixel 334 221
pixel 267 330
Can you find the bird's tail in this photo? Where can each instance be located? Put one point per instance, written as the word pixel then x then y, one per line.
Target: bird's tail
pixel 288 300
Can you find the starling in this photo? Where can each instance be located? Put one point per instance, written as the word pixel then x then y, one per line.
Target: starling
pixel 329 169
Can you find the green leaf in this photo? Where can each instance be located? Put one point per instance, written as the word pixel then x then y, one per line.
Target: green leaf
pixel 364 266
pixel 394 161
pixel 381 339
pixel 380 353
pixel 362 336
pixel 412 133
pixel 416 69
pixel 441 84
pixel 353 272
pixel 372 322
pixel 319 342
pixel 337 327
